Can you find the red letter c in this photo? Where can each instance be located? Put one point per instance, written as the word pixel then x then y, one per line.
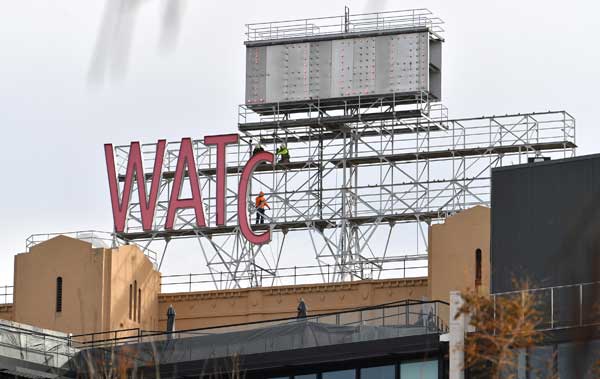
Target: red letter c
pixel 257 239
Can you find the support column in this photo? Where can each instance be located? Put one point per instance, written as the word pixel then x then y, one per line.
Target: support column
pixel 458 328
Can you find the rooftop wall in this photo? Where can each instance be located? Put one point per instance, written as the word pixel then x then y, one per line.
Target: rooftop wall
pixel 212 308
pixel 545 223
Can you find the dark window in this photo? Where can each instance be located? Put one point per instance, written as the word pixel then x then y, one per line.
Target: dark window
pixel 477 267
pixel 59 291
pixel 421 370
pixel 381 372
pixel 345 374
pixel 134 300
pixel 139 315
pixel 130 300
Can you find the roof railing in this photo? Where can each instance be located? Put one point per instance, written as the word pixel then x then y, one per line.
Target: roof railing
pixel 563 307
pixel 355 23
pixel 425 317
pixel 98 239
pixel 6 294
pixel 412 266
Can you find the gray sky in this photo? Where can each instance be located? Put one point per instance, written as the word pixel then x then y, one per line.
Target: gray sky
pixel 499 57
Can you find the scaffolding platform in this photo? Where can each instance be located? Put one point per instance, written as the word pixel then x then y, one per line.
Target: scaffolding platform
pixel 378 159
pixel 281 226
pixel 342 103
pixel 235 170
pixel 330 122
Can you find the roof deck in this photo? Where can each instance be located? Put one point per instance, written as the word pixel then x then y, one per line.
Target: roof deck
pixel 396 329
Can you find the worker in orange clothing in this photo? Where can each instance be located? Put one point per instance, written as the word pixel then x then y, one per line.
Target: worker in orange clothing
pixel 261 204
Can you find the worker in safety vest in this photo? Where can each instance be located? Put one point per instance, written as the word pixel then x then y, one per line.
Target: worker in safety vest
pixel 284 154
pixel 261 204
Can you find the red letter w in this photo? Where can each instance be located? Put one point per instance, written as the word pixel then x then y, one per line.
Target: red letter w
pixel 135 171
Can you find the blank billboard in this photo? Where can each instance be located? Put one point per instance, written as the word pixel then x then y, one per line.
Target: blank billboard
pixel 338 68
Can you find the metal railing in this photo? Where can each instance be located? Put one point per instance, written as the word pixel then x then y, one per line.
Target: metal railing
pixel 409 266
pixel 406 317
pixel 98 239
pixel 95 237
pixel 322 109
pixel 563 307
pixel 109 335
pixel 50 349
pixel 353 23
pixel 6 294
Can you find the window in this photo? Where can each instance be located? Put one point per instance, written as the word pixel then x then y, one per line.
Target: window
pixel 345 374
pixel 134 300
pixel 139 313
pixel 130 300
pixel 59 283
pixel 477 267
pixel 381 372
pixel 419 370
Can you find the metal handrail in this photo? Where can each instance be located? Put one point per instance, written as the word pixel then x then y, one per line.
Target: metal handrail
pixel 62 348
pixel 552 312
pixel 436 326
pixel 356 23
pixel 6 294
pixel 87 236
pixel 91 235
pixel 291 275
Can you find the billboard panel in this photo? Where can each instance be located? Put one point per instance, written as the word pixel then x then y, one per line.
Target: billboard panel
pixel 339 68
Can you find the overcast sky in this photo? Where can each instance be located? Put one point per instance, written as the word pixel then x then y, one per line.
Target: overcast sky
pixel 499 57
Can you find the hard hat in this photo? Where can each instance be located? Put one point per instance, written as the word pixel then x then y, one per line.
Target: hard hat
pixel 261 193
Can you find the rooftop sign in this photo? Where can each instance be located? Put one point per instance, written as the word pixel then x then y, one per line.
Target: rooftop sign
pixel 148 188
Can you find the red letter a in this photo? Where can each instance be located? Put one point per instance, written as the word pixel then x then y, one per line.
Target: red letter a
pixel 135 170
pixel 185 160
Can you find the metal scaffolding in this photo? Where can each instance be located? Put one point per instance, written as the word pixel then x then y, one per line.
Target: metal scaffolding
pixel 365 167
pixel 355 174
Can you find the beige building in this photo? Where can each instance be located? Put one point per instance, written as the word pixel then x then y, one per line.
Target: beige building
pixel 459 254
pixel 67 285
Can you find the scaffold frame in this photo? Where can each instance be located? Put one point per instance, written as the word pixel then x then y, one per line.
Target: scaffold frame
pixel 347 180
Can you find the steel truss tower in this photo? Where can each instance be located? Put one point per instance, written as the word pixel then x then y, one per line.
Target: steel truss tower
pixel 364 167
pixel 353 173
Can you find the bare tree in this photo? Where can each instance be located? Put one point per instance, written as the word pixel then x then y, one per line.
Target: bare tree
pixel 502 327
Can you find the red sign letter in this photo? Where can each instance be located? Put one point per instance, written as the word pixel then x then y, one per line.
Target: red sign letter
pixel 221 141
pixel 134 169
pixel 185 160
pixel 252 237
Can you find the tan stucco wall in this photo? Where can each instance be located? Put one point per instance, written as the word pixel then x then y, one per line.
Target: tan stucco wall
pixel 95 286
pixel 210 308
pixel 129 264
pixel 452 247
pixel 6 312
pixel 36 272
